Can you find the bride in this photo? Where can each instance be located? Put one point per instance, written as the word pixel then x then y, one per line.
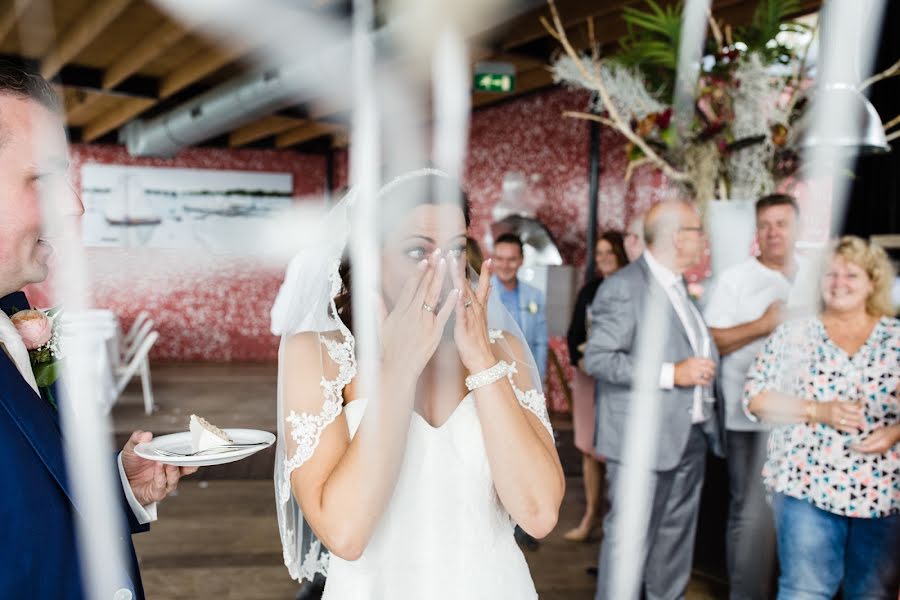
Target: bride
pixel 414 495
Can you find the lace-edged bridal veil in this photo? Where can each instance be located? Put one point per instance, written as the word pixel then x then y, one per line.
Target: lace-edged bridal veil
pixel 305 306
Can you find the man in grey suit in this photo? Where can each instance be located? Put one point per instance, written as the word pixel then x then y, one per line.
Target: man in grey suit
pixel 685 407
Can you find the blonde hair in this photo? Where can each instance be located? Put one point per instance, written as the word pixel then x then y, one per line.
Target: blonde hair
pixel 875 262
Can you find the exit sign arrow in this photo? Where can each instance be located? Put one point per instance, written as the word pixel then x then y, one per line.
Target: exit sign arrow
pixel 494 82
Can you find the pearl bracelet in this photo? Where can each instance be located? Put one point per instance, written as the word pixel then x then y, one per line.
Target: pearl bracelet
pixel 489 376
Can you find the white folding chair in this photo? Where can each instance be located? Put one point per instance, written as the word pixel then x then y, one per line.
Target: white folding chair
pixel 134 339
pixel 128 338
pixel 138 363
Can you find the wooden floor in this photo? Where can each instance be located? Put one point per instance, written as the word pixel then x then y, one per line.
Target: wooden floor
pixel 218 537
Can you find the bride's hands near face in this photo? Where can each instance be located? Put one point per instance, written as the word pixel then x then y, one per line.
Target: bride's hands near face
pixel 411 331
pixel 470 330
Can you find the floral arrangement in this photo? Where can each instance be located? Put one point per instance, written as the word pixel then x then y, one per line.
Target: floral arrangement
pixel 752 88
pixel 40 333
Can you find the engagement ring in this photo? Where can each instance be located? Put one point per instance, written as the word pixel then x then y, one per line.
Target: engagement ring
pixel 427 307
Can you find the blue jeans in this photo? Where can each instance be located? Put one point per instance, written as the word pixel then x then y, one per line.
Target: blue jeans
pixel 821 552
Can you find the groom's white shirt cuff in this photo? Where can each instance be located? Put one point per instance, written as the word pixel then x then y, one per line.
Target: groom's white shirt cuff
pixel 667 376
pixel 143 514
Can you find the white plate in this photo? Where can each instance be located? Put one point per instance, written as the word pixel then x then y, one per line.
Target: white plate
pixel 181 442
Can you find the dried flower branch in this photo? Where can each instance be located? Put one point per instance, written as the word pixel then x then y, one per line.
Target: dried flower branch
pixel 596 83
pixel 891 71
pixel 592 40
pixel 892 123
pixel 590 117
pixel 715 29
pixel 549 28
pixel 632 167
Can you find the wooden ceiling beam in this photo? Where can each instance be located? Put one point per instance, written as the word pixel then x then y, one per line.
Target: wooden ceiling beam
pixel 261 129
pixel 81 109
pixel 340 139
pixel 528 28
pixel 118 116
pixel 304 133
pixel 199 66
pixel 741 13
pixel 98 15
pixel 151 46
pixel 11 15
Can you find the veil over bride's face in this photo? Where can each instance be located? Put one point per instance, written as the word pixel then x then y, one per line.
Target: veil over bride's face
pixel 416 236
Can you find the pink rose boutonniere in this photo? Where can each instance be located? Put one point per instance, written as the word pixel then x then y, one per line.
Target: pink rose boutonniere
pixel 695 291
pixel 40 333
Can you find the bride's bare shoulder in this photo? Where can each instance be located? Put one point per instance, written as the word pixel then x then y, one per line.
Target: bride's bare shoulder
pixel 302 343
pixel 310 341
pixel 308 352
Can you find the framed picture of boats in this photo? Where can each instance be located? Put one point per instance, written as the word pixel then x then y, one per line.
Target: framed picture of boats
pixel 159 207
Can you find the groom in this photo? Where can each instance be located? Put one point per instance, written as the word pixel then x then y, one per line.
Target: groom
pixel 38 517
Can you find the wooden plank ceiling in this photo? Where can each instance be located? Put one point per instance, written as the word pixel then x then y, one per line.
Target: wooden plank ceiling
pixel 118 60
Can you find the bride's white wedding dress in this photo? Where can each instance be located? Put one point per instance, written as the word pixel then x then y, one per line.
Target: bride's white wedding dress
pixel 445 535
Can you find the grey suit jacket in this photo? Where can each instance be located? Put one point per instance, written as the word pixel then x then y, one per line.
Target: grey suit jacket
pixel 617 313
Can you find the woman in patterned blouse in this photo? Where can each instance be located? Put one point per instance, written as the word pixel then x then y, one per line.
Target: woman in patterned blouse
pixel 830 386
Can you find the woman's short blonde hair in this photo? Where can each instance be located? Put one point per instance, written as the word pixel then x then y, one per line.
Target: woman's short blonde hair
pixel 875 262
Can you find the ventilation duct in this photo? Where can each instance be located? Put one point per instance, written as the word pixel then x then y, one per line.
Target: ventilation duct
pixel 240 101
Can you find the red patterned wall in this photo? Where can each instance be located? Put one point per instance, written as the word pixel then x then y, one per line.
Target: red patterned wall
pixel 205 307
pixel 531 136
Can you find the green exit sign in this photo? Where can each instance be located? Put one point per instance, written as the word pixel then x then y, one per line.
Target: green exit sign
pixel 495 82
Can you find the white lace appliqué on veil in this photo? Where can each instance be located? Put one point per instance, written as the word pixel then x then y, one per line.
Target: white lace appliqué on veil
pixel 306 429
pixel 316 561
pixel 533 400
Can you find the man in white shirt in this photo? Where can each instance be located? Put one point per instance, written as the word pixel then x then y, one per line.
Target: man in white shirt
pixel 747 303
pixel 689 417
pixel 39 514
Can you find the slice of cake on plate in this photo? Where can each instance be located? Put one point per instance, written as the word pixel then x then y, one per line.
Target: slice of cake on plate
pixel 205 435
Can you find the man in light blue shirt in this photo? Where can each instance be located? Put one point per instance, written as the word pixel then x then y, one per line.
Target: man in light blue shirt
pixel 524 302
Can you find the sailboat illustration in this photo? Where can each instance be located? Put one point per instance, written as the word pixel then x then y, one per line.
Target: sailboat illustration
pixel 130 206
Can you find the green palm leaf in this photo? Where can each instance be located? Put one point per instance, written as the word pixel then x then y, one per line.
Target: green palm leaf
pixel 651 44
pixel 769 19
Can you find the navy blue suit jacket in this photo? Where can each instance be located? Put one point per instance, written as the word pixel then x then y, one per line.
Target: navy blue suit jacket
pixel 38 513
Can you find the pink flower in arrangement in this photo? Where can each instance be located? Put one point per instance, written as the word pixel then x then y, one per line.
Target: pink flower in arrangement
pixel 34 328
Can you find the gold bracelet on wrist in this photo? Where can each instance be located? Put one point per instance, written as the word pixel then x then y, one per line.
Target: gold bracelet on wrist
pixel 812 412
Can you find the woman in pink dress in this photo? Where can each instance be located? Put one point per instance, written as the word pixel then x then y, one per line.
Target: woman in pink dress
pixel 609 257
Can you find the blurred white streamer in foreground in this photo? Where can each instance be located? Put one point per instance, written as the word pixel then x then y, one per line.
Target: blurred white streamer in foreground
pixel 690 54
pixel 83 388
pixel 636 487
pixel 452 102
pixel 849 36
pixel 364 167
pixel 635 491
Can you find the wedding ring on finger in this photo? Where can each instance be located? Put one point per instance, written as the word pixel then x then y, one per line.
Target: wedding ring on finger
pixel 427 307
pixel 467 304
pixel 843 422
